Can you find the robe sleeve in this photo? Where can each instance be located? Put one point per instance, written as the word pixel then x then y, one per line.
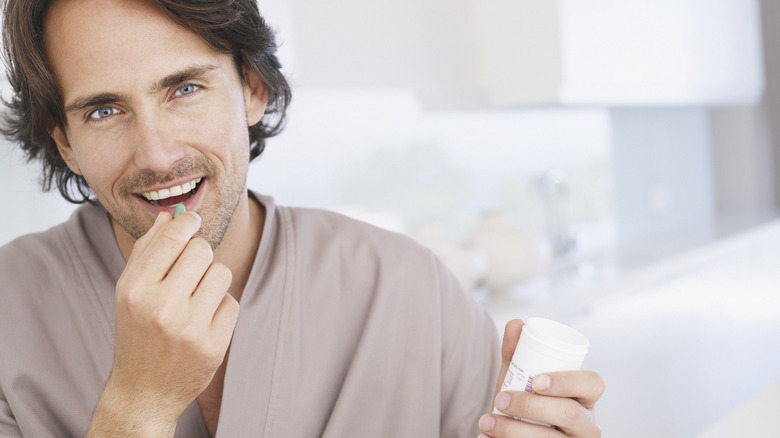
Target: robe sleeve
pixel 8 426
pixel 471 359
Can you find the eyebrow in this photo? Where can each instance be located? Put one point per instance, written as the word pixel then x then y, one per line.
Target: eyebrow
pixel 95 100
pixel 180 76
pixel 103 99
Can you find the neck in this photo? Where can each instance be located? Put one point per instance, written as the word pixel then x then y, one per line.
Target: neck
pixel 238 248
pixel 239 245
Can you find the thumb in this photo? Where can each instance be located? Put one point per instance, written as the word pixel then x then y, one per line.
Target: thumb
pixel 511 335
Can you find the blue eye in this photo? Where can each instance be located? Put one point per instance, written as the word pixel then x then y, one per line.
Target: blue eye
pixel 186 89
pixel 103 113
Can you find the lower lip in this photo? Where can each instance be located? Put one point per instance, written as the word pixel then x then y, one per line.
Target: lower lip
pixel 190 204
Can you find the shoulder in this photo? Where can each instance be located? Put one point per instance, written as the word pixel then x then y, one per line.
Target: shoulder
pixel 54 244
pixel 39 261
pixel 32 268
pixel 21 255
pixel 327 232
pixel 332 251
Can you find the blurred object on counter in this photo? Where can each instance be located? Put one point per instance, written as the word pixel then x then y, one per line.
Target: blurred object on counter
pixel 514 254
pixel 556 195
pixel 468 263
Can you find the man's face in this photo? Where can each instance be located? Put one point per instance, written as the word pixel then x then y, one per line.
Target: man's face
pixel 152 111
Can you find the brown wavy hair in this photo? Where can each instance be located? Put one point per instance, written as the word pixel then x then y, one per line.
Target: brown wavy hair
pixel 233 27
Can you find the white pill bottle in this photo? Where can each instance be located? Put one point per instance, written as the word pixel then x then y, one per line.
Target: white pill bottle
pixel 544 346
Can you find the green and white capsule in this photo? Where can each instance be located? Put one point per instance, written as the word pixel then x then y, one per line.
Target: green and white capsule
pixel 178 210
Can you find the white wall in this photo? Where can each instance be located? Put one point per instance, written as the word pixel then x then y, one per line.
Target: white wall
pixel 664 182
pixel 26 208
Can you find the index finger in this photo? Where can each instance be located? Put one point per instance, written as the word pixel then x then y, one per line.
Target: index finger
pixel 586 387
pixel 158 249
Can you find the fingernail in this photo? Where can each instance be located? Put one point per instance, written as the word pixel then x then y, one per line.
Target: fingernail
pixel 541 383
pixel 487 422
pixel 159 219
pixel 502 401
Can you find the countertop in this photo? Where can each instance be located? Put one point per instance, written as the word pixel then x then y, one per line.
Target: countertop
pixel 757 418
pixel 683 343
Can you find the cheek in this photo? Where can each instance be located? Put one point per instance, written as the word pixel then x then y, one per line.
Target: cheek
pixel 220 128
pixel 101 164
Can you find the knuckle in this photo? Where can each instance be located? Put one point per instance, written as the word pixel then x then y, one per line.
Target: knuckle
pixel 221 273
pixel 195 340
pixel 189 337
pixel 124 287
pixel 162 319
pixel 231 308
pixel 230 303
pixel 573 413
pixel 213 357
pixel 141 241
pixel 201 243
pixel 159 322
pixel 212 362
pixel 123 283
pixel 599 385
pixel 171 236
pixel 208 353
pixel 200 250
pixel 233 304
pixel 128 296
pixel 131 301
pixel 523 404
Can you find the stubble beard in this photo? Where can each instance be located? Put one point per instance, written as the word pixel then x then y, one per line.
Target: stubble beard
pixel 217 211
pixel 216 219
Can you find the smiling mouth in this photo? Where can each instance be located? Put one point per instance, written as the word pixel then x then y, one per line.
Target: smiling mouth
pixel 172 195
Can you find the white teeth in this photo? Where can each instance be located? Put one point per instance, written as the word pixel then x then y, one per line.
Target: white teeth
pixel 172 191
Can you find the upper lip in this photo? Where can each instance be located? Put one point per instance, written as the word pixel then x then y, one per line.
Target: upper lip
pixel 171 190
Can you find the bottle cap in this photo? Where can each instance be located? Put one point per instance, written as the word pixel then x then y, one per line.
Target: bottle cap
pixel 555 339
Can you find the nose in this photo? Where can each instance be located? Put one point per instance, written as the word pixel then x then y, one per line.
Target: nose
pixel 156 146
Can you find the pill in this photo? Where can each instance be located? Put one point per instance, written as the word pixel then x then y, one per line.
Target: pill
pixel 178 210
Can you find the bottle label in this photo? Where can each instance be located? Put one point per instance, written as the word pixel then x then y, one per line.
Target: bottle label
pixel 516 378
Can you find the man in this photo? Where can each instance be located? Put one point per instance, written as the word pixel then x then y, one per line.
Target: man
pixel 125 322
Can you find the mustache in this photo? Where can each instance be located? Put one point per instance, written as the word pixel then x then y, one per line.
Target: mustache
pixel 189 167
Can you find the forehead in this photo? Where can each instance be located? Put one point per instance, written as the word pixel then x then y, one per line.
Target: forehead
pixel 98 45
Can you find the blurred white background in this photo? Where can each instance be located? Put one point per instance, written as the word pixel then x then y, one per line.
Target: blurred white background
pixel 608 163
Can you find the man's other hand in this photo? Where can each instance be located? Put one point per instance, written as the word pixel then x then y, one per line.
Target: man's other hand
pixel 565 399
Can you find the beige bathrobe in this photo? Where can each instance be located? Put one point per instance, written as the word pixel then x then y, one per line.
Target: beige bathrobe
pixel 345 330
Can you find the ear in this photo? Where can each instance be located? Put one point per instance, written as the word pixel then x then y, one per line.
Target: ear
pixel 255 97
pixel 63 146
